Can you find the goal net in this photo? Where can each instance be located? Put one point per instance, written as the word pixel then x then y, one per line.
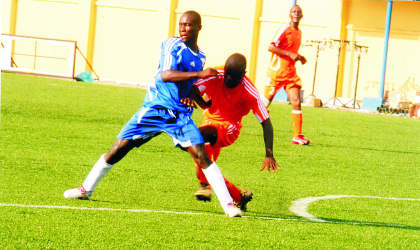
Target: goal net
pixel 34 55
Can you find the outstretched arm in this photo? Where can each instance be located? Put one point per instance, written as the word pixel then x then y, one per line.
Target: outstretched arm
pixel 172 75
pixel 269 160
pixel 295 57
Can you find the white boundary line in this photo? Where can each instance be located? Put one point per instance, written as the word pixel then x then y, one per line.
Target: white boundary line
pixel 99 208
pixel 135 211
pixel 298 207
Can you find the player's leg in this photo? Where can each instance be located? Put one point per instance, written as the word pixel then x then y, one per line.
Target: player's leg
pixel 184 133
pixel 294 96
pixel 105 163
pixel 270 90
pixel 209 134
pixel 117 152
pixel 204 191
pixel 217 136
pixel 215 178
pixel 133 134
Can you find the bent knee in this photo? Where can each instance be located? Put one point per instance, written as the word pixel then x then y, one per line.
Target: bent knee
pixel 198 153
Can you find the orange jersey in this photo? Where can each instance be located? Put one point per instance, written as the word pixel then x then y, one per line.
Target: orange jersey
pixel 230 105
pixel 283 67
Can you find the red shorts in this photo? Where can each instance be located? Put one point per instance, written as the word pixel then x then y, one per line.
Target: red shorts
pixel 272 86
pixel 227 133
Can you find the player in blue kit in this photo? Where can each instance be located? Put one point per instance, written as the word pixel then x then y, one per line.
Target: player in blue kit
pixel 180 65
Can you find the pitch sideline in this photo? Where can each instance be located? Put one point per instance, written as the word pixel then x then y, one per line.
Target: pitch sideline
pixel 298 207
pixel 136 211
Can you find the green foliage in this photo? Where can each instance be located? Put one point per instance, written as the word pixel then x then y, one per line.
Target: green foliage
pixel 53 131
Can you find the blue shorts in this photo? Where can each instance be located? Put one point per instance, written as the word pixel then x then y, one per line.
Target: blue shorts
pixel 149 122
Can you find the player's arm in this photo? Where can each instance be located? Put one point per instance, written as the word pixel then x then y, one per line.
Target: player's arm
pixel 269 160
pixel 294 56
pixel 200 100
pixel 172 75
pixel 195 97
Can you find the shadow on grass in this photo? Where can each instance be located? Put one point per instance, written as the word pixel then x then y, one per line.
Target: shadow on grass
pixel 334 221
pixel 369 224
pixel 371 149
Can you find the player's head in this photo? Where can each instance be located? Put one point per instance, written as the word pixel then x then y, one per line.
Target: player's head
pixel 189 27
pixel 234 70
pixel 295 14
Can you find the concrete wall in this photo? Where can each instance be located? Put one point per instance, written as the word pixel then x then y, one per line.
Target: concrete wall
pixel 122 38
pixel 365 24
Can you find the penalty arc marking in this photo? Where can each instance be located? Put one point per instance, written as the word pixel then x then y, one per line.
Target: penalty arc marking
pixel 299 207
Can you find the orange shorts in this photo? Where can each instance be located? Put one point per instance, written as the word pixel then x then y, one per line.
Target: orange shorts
pixel 227 133
pixel 272 86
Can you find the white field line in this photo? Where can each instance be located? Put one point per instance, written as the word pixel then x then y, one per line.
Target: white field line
pixel 133 210
pixel 300 206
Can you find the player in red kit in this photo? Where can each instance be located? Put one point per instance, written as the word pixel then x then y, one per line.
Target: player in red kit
pixel 282 70
pixel 232 96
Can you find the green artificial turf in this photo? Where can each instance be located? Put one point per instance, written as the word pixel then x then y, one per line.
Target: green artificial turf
pixel 53 132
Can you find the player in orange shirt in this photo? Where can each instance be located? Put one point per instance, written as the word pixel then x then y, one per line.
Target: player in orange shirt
pixel 282 70
pixel 232 96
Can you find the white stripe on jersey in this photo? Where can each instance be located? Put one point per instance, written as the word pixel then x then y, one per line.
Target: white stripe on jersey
pixel 168 48
pixel 203 80
pixel 254 92
pixel 192 51
pixel 203 60
pixel 183 46
pixel 248 87
pixel 201 52
pixel 258 118
pixel 280 32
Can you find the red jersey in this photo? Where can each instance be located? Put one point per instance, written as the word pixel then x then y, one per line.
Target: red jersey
pixel 283 67
pixel 230 105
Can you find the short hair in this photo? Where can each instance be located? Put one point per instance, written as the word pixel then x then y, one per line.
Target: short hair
pixel 295 6
pixel 237 62
pixel 197 17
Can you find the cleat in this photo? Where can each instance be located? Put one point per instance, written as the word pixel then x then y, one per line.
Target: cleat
pixel 232 211
pixel 300 140
pixel 77 193
pixel 246 197
pixel 203 193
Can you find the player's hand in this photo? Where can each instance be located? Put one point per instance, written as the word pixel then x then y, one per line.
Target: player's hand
pixel 189 102
pixel 208 72
pixel 271 164
pixel 302 59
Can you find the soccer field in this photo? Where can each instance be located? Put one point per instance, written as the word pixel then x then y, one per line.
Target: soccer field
pixel 355 186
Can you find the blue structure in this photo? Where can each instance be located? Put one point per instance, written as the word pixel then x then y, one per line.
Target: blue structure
pixel 387 29
pixel 370 103
pixel 283 97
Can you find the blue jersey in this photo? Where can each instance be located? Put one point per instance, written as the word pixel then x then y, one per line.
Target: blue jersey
pixel 175 55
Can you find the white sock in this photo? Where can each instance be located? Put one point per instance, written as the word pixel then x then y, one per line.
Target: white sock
pixel 99 170
pixel 217 182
